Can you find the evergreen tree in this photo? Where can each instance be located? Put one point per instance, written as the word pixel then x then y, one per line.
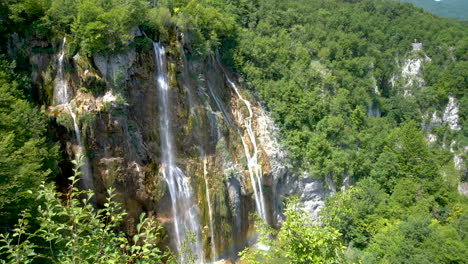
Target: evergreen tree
pixel 26 156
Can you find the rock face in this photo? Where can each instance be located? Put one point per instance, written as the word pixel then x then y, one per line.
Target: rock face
pixel 450 115
pixel 116 102
pixel 411 76
pixel 409 82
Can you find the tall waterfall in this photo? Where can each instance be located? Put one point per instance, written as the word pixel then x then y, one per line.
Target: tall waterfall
pixel 183 207
pixel 193 111
pixel 210 211
pixel 255 170
pixel 62 94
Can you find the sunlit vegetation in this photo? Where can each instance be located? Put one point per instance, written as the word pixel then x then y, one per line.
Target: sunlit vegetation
pixel 324 69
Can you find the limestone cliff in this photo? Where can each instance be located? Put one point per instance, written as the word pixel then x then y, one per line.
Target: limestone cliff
pixel 115 100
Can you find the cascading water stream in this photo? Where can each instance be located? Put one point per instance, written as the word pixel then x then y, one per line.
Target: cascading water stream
pixel 210 211
pixel 62 97
pixel 183 208
pixel 220 105
pixel 255 170
pixel 193 111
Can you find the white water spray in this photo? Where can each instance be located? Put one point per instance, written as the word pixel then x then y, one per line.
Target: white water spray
pixel 255 170
pixel 62 94
pixel 183 209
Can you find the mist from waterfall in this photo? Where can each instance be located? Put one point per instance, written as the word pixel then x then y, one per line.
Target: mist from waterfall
pixel 255 170
pixel 62 95
pixel 185 217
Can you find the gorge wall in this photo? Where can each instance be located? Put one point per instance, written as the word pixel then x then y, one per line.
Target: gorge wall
pixel 225 143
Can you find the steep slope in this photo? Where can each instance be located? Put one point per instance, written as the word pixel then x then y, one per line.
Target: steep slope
pixel 241 104
pixel 218 128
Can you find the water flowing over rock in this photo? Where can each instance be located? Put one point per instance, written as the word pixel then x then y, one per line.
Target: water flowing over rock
pixel 183 208
pixel 62 96
pixel 210 211
pixel 373 110
pixel 255 170
pixel 180 139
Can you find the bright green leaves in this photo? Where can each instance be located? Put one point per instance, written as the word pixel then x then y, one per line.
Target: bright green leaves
pixel 71 230
pixel 207 25
pixel 96 25
pixel 351 211
pixel 417 240
pixel 102 26
pixel 412 154
pixel 305 243
pixel 394 215
pixel 25 154
pixel 298 241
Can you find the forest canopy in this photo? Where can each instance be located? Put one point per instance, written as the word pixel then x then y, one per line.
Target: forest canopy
pixel 331 73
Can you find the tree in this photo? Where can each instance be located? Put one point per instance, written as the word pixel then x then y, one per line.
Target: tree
pixel 102 26
pixel 71 230
pixel 414 159
pixel 298 241
pixel 354 212
pixel 417 240
pixel 26 157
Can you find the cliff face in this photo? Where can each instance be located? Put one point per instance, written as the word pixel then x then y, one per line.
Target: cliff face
pixel 444 115
pixel 225 142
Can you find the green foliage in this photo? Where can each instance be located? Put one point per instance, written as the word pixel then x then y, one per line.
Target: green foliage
pixel 399 220
pixel 417 240
pixel 329 72
pixel 96 26
pixel 316 64
pixel 405 154
pixel 28 13
pixel 160 20
pixel 297 241
pixel 71 230
pixel 106 25
pixel 206 24
pixel 349 211
pixel 25 153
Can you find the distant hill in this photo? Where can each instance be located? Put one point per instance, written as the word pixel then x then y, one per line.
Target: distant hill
pixel 457 9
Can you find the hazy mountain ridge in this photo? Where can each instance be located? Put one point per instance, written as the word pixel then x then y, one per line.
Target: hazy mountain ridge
pixel 457 9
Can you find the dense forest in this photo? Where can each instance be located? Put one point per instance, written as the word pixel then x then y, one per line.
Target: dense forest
pixel 340 81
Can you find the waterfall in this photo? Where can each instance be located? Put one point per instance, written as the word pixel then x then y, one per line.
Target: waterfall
pixel 220 105
pixel 62 94
pixel 255 170
pixel 210 211
pixel 183 208
pixel 193 111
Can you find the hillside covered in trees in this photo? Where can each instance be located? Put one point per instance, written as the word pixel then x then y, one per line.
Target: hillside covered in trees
pixel 368 97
